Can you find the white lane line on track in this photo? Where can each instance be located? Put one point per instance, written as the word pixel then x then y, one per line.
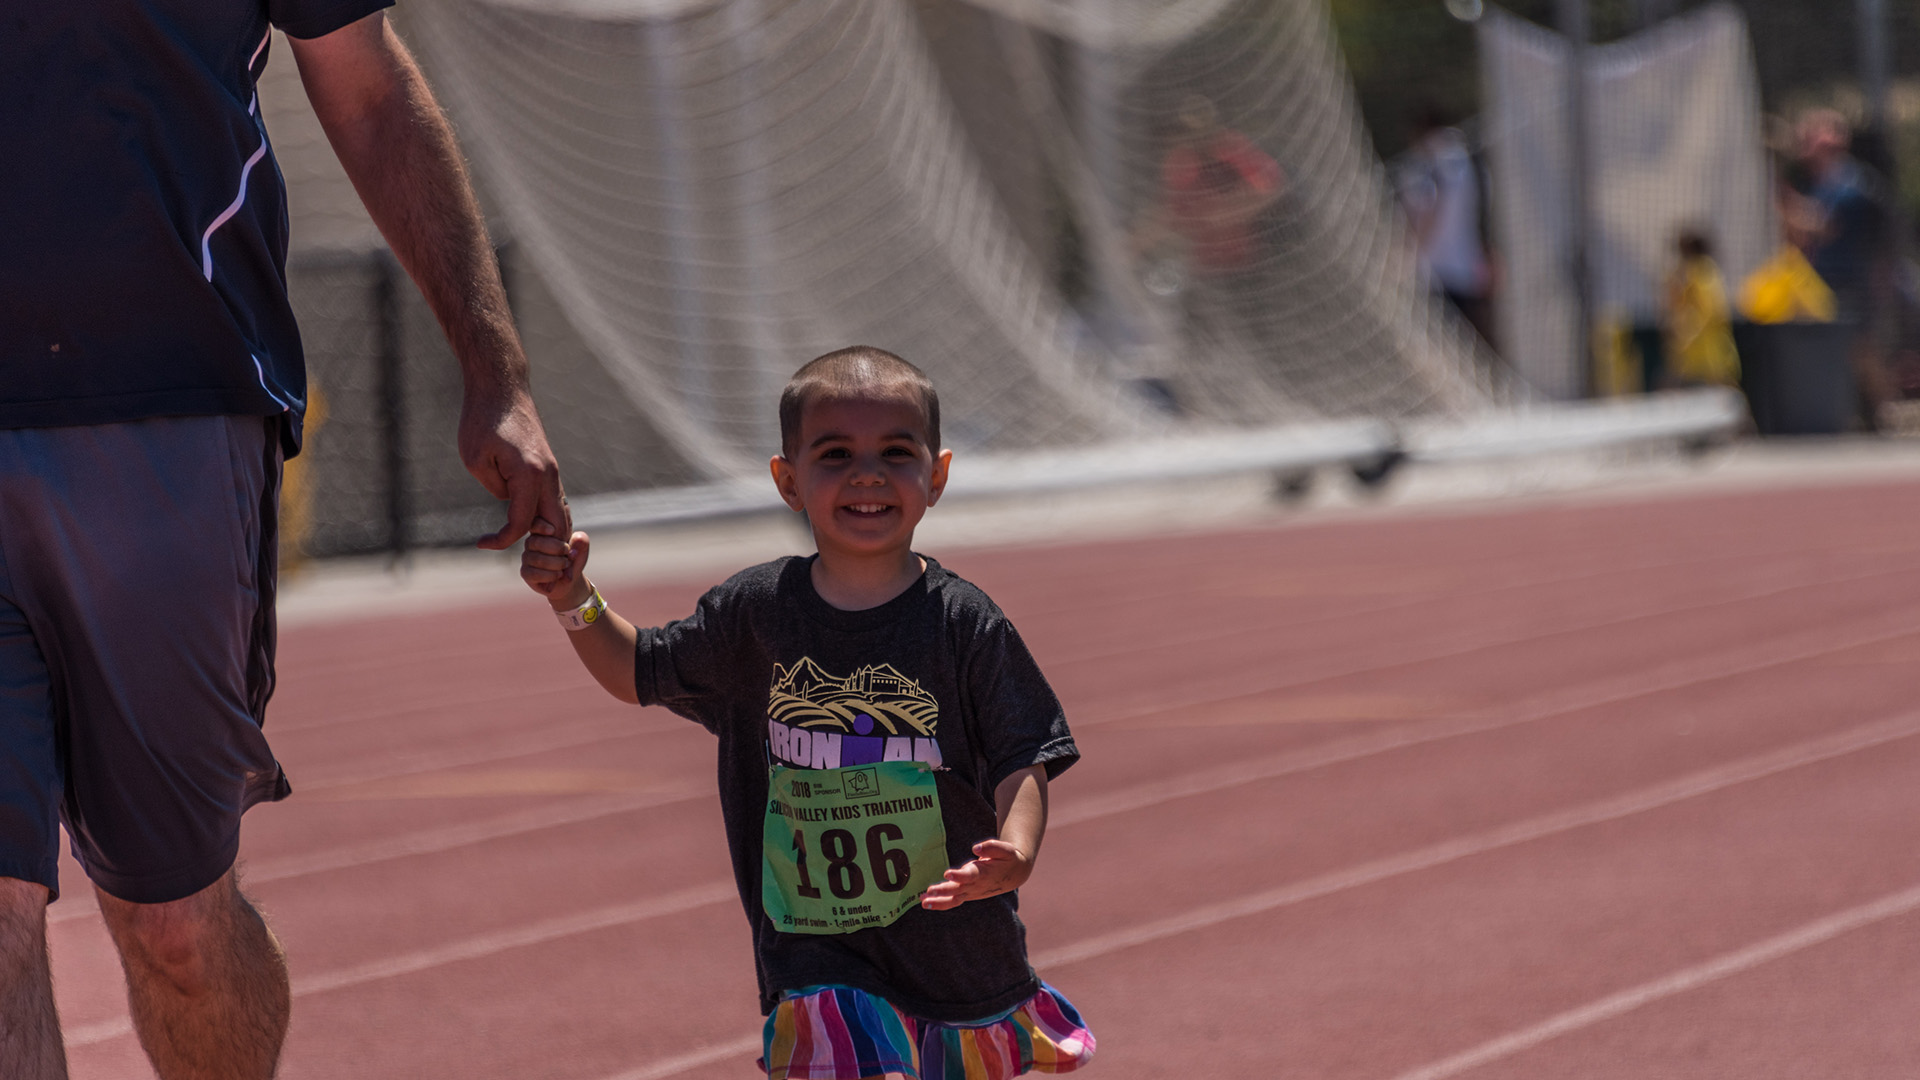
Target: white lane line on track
pixel 1452 850
pixel 1400 607
pixel 1604 1009
pixel 433 840
pixel 1640 684
pixel 1454 651
pixel 438 758
pixel 428 841
pixel 390 710
pixel 470 948
pixel 1678 982
pixel 538 742
pixel 393 711
pixel 1676 675
pixel 694 1059
pixel 1611 809
pixel 1350 612
pixel 1079 607
pixel 1598 812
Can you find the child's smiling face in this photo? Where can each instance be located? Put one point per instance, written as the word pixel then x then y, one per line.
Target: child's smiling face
pixel 863 472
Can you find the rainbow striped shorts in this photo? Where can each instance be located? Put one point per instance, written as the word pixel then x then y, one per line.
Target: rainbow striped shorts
pixel 840 1033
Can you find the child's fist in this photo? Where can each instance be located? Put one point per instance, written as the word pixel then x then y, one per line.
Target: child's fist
pixel 556 568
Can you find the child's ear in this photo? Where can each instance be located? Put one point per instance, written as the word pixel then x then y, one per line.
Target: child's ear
pixel 937 482
pixel 787 481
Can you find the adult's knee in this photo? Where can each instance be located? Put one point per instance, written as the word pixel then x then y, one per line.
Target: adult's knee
pixel 180 941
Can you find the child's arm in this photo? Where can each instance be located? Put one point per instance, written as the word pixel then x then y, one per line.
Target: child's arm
pixel 556 569
pixel 1003 865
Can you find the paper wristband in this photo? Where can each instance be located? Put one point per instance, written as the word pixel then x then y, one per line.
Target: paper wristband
pixel 583 616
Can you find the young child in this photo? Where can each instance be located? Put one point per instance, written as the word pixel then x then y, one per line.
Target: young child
pixel 885 746
pixel 1699 326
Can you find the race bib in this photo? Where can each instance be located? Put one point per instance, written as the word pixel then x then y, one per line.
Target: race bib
pixel 850 848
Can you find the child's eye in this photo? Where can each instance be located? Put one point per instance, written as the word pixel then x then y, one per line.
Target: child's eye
pixel 834 452
pixel 898 451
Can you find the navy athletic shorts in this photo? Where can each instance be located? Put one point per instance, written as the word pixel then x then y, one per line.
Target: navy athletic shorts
pixel 137 569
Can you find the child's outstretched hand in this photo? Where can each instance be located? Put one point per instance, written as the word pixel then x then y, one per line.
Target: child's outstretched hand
pixel 997 867
pixel 556 568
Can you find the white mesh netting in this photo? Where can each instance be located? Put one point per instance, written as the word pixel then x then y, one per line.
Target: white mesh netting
pixel 718 190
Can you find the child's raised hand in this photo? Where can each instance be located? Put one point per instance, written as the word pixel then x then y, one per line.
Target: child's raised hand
pixel 556 568
pixel 997 867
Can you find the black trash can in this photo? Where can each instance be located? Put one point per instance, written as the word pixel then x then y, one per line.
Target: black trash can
pixel 1798 377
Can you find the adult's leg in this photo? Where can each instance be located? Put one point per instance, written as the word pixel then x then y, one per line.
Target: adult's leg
pixel 206 981
pixel 30 1047
pixel 30 788
pixel 149 546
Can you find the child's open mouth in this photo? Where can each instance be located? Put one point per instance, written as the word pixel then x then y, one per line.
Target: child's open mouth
pixel 867 509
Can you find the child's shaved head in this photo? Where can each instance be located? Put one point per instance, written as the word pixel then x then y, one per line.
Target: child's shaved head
pixel 858 371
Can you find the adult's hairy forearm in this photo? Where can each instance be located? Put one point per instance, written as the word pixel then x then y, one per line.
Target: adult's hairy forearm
pixel 400 153
pixel 421 198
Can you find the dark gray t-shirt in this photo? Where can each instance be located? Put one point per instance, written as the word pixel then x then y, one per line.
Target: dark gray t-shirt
pixel 764 643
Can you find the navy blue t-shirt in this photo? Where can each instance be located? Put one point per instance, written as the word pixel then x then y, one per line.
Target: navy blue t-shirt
pixel 143 222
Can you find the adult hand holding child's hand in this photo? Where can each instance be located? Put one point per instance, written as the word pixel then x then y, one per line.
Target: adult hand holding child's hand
pixel 556 568
pixel 997 867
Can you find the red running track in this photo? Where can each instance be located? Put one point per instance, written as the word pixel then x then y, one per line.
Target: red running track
pixel 1596 791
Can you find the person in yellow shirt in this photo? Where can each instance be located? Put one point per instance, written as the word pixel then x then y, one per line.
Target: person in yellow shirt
pixel 1785 289
pixel 1699 322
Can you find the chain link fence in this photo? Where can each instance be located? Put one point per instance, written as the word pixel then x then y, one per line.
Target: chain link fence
pixel 382 470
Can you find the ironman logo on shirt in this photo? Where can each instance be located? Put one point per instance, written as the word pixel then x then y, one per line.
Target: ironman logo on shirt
pixel 817 720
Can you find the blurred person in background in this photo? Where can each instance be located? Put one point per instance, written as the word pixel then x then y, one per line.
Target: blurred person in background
pixel 151 386
pixel 1699 323
pixel 1439 185
pixel 1846 241
pixel 1785 288
pixel 1215 188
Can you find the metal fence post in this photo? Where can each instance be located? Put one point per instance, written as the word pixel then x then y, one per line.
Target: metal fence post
pixel 1573 23
pixel 390 359
pixel 1875 62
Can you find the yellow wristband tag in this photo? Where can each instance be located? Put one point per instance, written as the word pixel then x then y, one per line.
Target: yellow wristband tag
pixel 585 615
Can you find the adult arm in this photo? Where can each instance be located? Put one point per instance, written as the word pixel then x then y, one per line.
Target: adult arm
pixel 399 151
